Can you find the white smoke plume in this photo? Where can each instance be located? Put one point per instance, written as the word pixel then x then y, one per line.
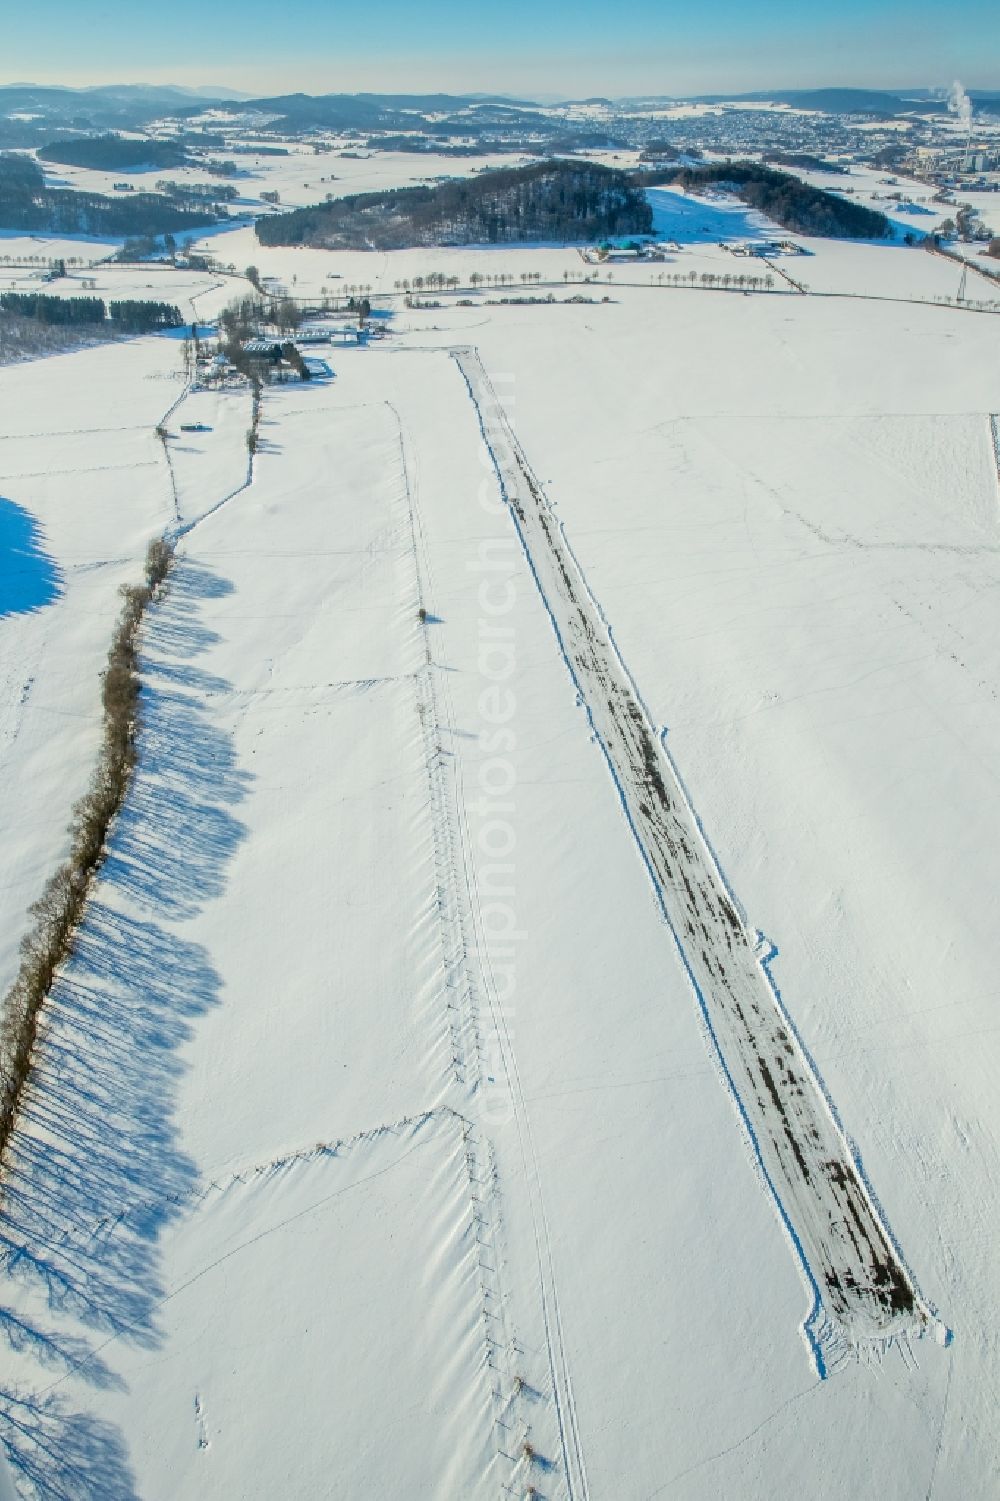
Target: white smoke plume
pixel 960 104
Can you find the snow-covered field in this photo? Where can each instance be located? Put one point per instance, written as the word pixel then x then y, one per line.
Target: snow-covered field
pixel 915 209
pixel 15 245
pixel 700 225
pixel 303 176
pixel 394 1130
pixel 882 271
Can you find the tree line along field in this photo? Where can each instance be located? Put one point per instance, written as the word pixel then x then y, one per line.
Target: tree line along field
pixel 35 323
pixel 132 316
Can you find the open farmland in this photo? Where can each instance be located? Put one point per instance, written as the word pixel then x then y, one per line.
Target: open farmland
pixel 532 1031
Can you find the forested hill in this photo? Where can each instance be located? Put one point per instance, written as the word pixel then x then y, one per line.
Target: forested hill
pixel 789 201
pixel 26 203
pixel 553 200
pixel 115 153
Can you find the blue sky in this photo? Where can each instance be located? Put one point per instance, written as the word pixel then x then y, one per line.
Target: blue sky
pixel 568 47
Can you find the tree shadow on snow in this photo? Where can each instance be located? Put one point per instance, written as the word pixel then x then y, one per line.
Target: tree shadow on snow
pixel 29 578
pixel 96 1171
pixel 61 1455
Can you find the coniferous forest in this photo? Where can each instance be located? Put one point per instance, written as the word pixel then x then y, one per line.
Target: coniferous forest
pixel 134 317
pixel 789 201
pixel 552 200
pixel 114 153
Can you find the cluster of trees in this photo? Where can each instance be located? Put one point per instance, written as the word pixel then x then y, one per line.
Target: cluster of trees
pixel 418 143
pixel 240 319
pixel 54 310
pixel 27 338
pixel 284 313
pixel 292 356
pixel 557 200
pixel 128 317
pixel 786 199
pixel 20 174
pixel 967 225
pixel 144 317
pixel 143 248
pixel 244 317
pixel 65 212
pixel 201 140
pixel 115 153
pixel 256 149
pixel 659 150
pixel 805 161
pixel 197 192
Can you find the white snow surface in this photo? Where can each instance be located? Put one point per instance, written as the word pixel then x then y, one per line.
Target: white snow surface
pixel 376 1143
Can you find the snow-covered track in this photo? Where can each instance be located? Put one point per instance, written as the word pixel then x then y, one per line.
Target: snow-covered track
pixel 862 1290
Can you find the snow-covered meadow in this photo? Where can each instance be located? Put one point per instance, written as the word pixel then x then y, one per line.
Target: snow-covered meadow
pixel 302 176
pixel 380 1142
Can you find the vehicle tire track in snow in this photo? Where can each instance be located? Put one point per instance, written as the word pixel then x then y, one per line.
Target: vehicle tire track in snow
pixel 862 1291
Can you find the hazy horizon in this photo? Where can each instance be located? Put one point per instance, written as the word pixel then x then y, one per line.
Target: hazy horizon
pixel 228 91
pixel 563 50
